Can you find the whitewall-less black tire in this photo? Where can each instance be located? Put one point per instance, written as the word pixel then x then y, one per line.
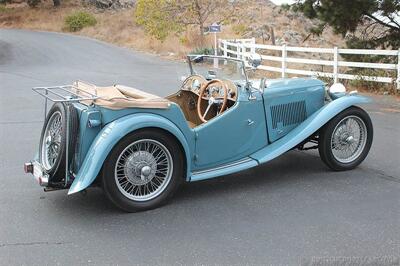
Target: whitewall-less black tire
pixel 143 170
pixel 345 141
pixel 52 141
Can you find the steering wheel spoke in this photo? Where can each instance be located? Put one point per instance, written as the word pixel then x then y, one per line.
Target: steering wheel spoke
pixel 206 112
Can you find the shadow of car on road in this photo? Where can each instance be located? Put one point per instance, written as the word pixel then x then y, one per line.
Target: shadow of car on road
pixel 289 168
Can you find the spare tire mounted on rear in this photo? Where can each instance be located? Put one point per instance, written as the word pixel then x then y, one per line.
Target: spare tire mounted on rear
pixel 52 141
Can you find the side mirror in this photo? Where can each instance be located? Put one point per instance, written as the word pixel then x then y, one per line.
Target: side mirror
pixel 255 60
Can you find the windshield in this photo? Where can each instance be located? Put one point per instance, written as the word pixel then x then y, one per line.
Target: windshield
pixel 214 67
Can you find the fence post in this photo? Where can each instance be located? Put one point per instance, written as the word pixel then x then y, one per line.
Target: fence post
pixel 225 47
pixel 284 54
pixel 238 50
pixel 398 69
pixel 243 51
pixel 253 45
pixel 335 64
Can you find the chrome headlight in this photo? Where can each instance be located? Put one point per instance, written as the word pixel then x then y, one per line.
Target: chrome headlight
pixel 337 90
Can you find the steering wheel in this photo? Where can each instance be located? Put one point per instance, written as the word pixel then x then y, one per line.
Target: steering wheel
pixel 212 100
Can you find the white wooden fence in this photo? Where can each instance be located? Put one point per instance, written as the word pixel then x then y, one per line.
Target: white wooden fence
pixel 242 48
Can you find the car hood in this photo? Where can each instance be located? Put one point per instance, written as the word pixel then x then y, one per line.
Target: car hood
pixel 291 83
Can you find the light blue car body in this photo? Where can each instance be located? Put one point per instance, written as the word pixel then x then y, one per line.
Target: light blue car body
pixel 253 131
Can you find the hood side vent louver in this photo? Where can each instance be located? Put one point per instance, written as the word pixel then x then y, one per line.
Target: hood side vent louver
pixel 288 114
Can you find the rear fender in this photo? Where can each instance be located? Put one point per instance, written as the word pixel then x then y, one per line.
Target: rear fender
pixel 111 134
pixel 308 127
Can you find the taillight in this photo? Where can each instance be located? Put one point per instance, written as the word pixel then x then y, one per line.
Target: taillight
pixel 28 168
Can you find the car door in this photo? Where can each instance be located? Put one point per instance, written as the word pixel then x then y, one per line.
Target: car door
pixel 236 133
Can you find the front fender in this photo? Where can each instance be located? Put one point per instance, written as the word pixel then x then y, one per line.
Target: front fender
pixel 308 127
pixel 109 137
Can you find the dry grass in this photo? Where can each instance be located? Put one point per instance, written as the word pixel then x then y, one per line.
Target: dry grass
pixel 118 27
pixel 115 27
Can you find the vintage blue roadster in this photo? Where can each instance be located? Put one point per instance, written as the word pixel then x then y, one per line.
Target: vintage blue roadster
pixel 140 147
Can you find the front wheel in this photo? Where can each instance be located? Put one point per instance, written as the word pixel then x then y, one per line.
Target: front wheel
pixel 143 170
pixel 345 141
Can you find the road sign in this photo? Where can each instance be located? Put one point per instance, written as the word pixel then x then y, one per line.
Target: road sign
pixel 214 28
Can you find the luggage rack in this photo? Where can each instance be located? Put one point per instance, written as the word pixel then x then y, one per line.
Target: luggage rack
pixel 64 94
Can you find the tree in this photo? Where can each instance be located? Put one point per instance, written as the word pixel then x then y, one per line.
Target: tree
pixel 373 23
pixel 160 18
pixel 152 15
pixel 197 12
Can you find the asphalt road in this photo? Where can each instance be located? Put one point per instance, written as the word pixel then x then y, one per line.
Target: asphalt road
pixel 284 212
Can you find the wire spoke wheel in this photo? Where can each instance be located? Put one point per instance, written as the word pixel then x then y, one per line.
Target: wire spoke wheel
pixel 349 139
pixel 51 142
pixel 143 170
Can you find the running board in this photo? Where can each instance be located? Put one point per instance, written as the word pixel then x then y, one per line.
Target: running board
pixel 225 169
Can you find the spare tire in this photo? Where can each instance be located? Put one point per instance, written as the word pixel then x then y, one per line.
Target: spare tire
pixel 52 141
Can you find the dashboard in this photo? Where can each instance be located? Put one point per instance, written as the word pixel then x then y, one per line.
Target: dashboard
pixel 194 83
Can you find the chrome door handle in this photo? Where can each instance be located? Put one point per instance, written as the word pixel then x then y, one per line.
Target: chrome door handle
pixel 250 122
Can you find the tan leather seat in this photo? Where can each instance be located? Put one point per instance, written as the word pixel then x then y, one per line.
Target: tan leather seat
pixel 191 124
pixel 119 97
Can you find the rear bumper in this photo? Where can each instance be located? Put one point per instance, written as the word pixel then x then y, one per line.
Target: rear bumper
pixel 36 169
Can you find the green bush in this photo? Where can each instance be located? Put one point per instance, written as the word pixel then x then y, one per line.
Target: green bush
pixel 154 17
pixel 372 85
pixel 203 50
pixel 285 7
pixel 240 29
pixel 79 20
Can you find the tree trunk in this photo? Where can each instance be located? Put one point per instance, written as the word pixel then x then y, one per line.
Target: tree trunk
pixel 201 28
pixel 272 36
pixel 57 3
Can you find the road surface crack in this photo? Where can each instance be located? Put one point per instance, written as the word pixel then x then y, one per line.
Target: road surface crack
pixel 20 122
pixel 33 243
pixel 383 175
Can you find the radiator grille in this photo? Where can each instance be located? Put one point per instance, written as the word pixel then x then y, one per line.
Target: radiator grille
pixel 288 113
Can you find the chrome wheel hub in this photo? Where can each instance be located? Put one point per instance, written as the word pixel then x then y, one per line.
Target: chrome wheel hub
pixel 140 167
pixel 143 170
pixel 349 139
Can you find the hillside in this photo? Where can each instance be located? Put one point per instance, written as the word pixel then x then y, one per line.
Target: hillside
pixel 257 18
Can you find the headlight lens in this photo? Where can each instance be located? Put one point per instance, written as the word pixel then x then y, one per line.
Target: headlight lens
pixel 337 90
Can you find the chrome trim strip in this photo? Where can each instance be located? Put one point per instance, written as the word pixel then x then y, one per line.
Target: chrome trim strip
pixel 221 167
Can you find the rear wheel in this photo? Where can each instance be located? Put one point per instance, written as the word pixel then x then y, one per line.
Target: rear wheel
pixel 143 170
pixel 345 141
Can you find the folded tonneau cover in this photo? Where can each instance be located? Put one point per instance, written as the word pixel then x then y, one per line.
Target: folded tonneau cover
pixel 119 97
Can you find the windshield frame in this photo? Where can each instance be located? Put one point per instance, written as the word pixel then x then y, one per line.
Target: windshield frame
pixel 192 57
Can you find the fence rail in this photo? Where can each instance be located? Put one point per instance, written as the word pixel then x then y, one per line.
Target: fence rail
pixel 242 48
